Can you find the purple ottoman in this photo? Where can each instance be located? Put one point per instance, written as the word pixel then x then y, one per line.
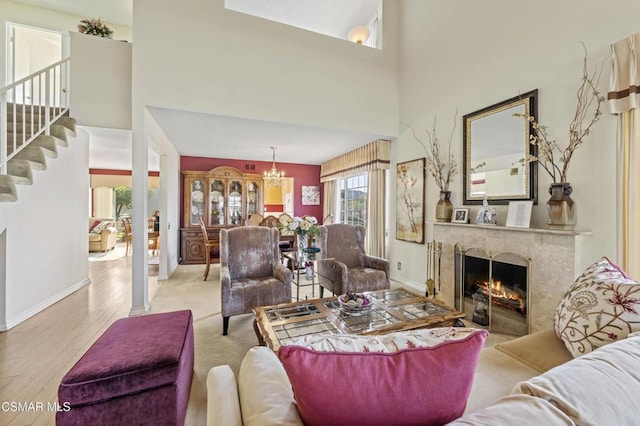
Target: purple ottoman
pixel 137 373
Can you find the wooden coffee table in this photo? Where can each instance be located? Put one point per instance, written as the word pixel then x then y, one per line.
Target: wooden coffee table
pixel 395 310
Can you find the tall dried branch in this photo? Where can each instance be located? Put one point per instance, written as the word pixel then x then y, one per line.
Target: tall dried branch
pixel 442 168
pixel 554 159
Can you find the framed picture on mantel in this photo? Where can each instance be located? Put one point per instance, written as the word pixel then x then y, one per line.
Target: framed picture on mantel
pixel 519 214
pixel 460 215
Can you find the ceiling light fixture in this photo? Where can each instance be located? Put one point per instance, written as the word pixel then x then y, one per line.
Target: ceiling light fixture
pixel 273 177
pixel 358 34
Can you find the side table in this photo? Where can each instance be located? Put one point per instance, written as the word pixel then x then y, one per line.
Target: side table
pixel 301 268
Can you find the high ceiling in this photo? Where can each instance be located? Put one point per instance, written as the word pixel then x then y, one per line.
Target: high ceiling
pixel 331 17
pixel 207 135
pixel 211 135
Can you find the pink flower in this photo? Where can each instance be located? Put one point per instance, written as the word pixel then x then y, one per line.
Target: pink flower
pixel 624 302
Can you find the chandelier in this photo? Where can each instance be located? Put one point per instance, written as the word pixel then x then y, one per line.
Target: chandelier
pixel 273 177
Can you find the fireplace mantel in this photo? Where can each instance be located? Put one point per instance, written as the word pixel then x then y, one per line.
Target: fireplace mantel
pixel 556 260
pixel 513 229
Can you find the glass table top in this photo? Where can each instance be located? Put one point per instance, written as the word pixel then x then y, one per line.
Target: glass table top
pixel 394 309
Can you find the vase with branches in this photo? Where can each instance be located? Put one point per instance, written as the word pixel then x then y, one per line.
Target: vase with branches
pixel 441 165
pixel 553 158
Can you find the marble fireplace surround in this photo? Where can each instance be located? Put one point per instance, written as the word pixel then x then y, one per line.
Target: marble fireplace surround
pixel 555 261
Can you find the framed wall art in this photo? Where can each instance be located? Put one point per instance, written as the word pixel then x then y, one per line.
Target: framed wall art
pixel 460 215
pixel 310 195
pixel 410 177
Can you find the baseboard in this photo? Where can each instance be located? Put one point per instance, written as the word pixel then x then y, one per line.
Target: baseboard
pixel 415 287
pixel 42 306
pixel 140 310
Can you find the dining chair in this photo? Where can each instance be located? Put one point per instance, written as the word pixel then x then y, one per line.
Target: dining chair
pixel 153 237
pixel 255 219
pixel 126 223
pixel 208 246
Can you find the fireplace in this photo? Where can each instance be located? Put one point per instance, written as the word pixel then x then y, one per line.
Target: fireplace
pixel 492 290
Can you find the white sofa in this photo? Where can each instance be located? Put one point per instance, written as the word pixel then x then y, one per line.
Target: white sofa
pixel 106 238
pixel 599 388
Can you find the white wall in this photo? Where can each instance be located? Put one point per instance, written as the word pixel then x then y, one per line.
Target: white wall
pixel 35 49
pixel 46 235
pixel 100 82
pixel 219 61
pixel 47 19
pixel 169 202
pixel 471 54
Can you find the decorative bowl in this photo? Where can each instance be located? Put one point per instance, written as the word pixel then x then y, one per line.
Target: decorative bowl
pixel 356 303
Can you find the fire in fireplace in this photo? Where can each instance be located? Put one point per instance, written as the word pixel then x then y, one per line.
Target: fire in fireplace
pixel 494 291
pixel 503 295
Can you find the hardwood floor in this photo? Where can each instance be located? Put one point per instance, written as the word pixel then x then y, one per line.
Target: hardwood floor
pixel 36 354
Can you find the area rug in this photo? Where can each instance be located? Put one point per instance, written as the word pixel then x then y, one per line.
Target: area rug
pixel 117 253
pixel 186 289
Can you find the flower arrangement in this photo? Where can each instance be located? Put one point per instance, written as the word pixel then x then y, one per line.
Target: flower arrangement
pixel 442 168
pixel 305 225
pixel 95 27
pixel 554 159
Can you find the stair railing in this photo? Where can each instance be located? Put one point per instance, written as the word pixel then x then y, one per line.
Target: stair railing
pixel 43 97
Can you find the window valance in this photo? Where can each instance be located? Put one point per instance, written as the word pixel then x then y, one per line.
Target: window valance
pixel 373 156
pixel 624 83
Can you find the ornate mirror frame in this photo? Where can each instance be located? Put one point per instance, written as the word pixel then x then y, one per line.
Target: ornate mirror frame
pixel 495 146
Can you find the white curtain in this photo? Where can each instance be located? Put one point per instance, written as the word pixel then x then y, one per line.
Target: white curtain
pixel 375 214
pixel 329 204
pixel 624 100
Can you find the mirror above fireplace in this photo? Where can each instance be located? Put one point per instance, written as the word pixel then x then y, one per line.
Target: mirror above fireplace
pixel 495 145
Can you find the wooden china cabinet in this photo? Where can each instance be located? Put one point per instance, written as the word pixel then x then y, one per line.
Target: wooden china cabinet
pixel 224 197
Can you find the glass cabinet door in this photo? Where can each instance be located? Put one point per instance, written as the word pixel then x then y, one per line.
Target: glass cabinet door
pixel 217 208
pixel 197 201
pixel 235 202
pixel 252 199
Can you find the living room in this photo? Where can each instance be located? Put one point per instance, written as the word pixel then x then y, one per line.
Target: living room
pixel 437 58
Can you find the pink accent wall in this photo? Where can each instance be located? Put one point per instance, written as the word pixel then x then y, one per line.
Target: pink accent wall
pixel 303 174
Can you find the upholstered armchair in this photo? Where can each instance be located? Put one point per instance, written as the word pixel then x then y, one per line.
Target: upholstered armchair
pixel 351 269
pixel 251 274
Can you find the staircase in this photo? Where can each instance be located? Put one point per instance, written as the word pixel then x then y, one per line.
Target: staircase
pixel 34 123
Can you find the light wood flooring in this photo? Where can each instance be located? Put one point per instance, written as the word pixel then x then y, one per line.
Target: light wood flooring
pixel 36 354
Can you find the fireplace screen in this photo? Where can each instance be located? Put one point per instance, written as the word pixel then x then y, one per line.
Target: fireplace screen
pixel 493 290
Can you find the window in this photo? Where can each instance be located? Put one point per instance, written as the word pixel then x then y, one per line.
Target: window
pixel 353 200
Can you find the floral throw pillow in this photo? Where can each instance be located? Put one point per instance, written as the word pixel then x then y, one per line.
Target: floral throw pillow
pixel 602 306
pixel 100 227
